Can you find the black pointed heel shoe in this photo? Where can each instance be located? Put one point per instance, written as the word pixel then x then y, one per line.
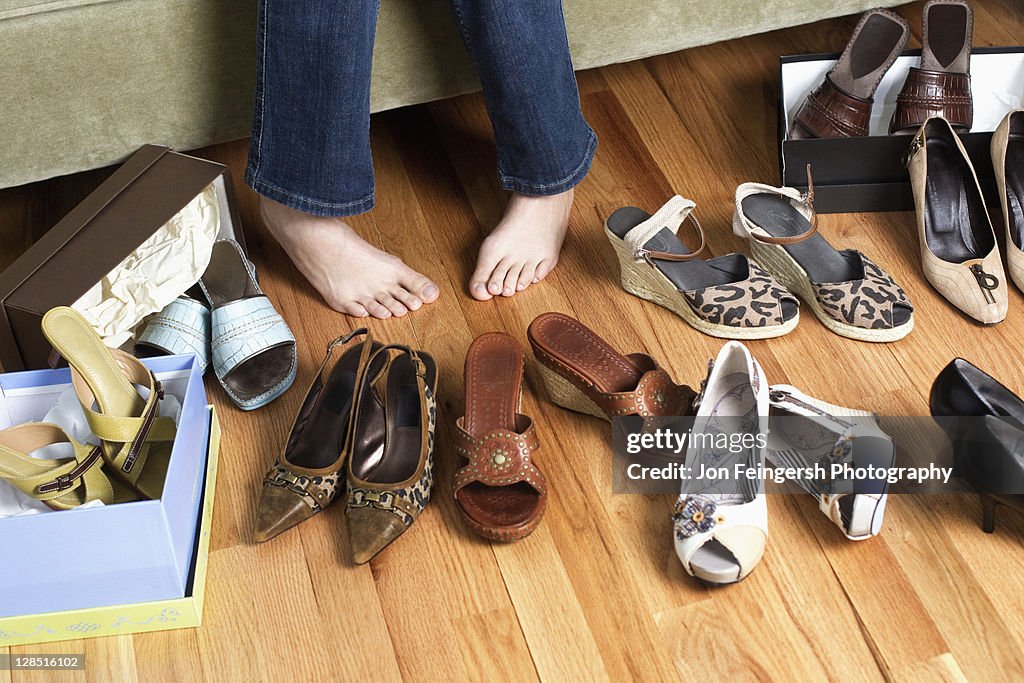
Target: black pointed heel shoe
pixel 984 420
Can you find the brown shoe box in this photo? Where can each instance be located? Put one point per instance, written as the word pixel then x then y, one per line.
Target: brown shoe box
pixel 143 194
pixel 868 174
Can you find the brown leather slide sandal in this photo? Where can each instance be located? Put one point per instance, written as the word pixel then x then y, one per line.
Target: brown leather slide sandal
pixel 582 372
pixel 840 107
pixel 941 86
pixel 499 490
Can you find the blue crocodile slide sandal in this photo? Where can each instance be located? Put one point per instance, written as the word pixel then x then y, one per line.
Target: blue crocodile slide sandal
pixel 182 327
pixel 252 349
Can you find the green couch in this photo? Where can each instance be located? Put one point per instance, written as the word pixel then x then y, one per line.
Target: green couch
pixel 85 82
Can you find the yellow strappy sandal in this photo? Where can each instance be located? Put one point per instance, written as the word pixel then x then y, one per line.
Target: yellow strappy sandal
pixel 136 442
pixel 61 483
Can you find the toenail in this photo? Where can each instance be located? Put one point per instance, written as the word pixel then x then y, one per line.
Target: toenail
pixel 430 290
pixel 520 287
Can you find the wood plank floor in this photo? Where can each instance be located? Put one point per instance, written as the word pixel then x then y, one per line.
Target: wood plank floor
pixel 597 592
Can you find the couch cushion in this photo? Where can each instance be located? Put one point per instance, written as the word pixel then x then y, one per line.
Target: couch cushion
pixel 95 79
pixel 18 8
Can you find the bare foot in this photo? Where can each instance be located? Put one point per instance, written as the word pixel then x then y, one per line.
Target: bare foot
pixel 351 275
pixel 524 247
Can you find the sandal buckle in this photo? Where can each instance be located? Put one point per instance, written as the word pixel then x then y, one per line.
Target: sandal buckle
pixel 61 483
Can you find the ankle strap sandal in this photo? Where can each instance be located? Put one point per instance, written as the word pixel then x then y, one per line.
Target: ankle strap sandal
pixel 727 296
pixel 847 291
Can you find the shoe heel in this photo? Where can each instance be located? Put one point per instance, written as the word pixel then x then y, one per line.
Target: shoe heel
pixel 563 393
pixel 738 228
pixel 634 276
pixel 988 513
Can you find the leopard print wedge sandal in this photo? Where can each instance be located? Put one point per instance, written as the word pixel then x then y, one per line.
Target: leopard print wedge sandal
pixel 846 290
pixel 728 296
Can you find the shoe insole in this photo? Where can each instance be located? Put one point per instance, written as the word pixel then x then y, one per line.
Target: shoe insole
pixel 1015 187
pixel 589 355
pixel 226 280
pixel 948 27
pixel 779 218
pixel 494 375
pixel 735 407
pixel 398 458
pixel 955 224
pixel 869 55
pixel 321 439
pixel 685 275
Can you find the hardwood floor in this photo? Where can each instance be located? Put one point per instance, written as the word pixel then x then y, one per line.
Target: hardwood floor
pixel 597 592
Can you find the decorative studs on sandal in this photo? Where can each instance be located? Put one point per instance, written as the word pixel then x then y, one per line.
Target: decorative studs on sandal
pixel 583 373
pixel 498 488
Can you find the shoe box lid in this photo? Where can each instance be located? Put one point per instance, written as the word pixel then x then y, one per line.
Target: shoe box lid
pixel 142 195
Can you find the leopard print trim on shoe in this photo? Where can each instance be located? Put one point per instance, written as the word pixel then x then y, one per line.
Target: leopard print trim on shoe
pixel 408 502
pixel 318 491
pixel 868 302
pixel 754 302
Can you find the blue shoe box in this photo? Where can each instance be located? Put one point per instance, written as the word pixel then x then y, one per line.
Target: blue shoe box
pixel 116 554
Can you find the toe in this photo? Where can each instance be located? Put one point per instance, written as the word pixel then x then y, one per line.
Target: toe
pixel 527 275
pixel 496 281
pixel 544 269
pixel 395 306
pixel 355 310
pixel 485 266
pixel 512 279
pixel 376 309
pixel 479 291
pixel 420 286
pixel 408 299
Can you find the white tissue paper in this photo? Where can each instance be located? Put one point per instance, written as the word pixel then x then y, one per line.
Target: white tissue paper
pixel 156 273
pixel 67 414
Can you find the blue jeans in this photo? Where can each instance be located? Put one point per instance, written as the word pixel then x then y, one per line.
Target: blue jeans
pixel 310 146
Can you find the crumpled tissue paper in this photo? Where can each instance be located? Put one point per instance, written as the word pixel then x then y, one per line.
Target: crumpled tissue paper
pixel 156 273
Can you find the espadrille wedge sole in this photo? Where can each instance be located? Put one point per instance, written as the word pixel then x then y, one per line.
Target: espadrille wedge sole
pixel 727 296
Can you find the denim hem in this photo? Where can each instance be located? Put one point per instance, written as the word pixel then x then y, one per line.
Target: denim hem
pixel 307 205
pixel 542 189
